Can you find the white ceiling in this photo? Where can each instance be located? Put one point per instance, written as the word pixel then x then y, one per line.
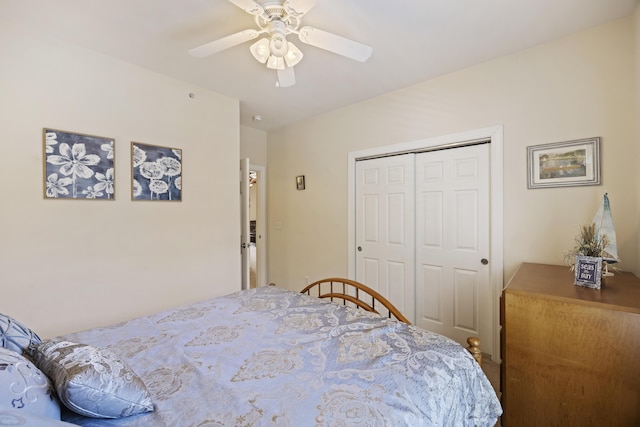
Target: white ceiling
pixel 412 40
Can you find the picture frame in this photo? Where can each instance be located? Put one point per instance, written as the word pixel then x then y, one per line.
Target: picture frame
pixel 156 173
pixel 564 164
pixel 300 184
pixel 77 165
pixel 588 271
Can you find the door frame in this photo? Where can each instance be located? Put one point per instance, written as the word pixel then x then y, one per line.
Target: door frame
pixel 494 134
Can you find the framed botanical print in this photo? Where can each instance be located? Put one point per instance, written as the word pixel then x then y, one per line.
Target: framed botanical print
pixel 78 166
pixel 156 173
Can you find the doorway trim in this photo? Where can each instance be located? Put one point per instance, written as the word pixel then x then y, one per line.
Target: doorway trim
pixel 494 134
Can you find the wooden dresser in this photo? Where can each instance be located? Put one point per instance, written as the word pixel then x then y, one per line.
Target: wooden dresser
pixel 570 354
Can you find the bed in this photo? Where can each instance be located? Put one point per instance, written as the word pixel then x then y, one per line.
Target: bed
pixel 268 357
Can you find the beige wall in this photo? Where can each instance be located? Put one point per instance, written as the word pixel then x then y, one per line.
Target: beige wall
pixel 73 264
pixel 253 144
pixel 576 87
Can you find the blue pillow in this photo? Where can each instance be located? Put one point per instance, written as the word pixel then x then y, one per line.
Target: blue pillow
pixel 25 388
pixel 15 336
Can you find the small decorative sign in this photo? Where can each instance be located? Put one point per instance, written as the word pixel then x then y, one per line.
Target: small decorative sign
pixel 588 271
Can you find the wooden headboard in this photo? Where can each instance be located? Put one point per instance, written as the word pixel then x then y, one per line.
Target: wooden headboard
pixel 350 292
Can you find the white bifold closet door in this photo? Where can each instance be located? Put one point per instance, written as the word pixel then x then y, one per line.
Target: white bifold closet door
pixel 422 237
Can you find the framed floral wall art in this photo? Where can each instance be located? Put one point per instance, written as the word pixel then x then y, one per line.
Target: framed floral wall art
pixel 78 166
pixel 156 173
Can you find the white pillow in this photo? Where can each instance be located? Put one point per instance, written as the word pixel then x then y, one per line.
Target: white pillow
pixel 16 417
pixel 92 381
pixel 24 387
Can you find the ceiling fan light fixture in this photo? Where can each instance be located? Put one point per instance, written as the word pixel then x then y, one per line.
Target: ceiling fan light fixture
pixel 260 50
pixel 276 19
pixel 275 63
pixel 278 45
pixel 293 56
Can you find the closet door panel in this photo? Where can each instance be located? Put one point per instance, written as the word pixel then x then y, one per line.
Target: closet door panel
pixel 385 229
pixel 452 223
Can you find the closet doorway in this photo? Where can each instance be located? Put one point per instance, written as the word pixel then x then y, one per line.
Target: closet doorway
pixel 425 230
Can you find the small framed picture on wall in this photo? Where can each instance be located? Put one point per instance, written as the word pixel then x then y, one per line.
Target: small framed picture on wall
pixel 564 164
pixel 300 182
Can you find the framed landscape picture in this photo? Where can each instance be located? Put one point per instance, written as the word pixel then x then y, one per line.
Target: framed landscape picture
pixel 78 166
pixel 156 173
pixel 564 164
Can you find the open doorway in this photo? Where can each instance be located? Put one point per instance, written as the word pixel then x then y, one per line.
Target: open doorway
pixel 257 222
pixel 253 218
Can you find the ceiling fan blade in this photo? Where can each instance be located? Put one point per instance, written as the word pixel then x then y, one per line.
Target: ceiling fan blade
pixel 223 43
pixel 249 6
pixel 299 7
pixel 286 77
pixel 335 43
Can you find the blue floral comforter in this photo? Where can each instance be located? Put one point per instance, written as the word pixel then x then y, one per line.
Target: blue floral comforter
pixel 273 357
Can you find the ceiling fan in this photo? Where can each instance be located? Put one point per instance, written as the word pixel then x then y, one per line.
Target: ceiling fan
pixel 277 19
